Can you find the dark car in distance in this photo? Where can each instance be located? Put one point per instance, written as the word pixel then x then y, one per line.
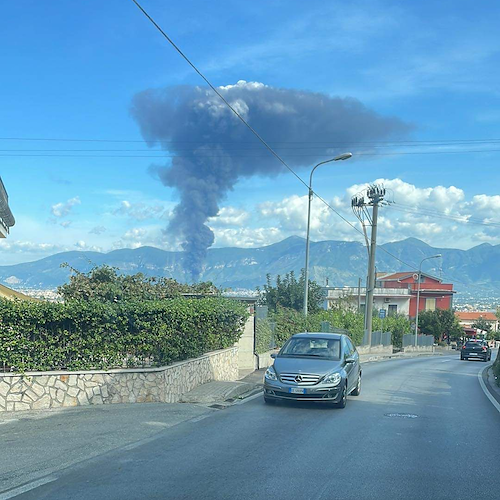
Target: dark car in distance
pixel 475 349
pixel 321 367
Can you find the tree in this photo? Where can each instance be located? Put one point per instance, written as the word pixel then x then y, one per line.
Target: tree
pixel 289 293
pixel 105 284
pixel 439 323
pixel 482 324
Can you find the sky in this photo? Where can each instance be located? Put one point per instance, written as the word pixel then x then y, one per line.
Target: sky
pixel 89 166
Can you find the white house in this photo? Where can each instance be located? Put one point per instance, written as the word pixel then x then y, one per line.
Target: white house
pixel 393 300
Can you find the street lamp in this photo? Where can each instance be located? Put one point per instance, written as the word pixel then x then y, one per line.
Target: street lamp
pixel 418 292
pixel 341 157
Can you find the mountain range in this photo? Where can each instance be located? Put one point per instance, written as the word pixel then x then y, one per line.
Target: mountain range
pixel 341 262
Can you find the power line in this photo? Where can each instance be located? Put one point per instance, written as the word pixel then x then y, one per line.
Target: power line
pixel 456 218
pixel 434 142
pixel 256 134
pixel 252 156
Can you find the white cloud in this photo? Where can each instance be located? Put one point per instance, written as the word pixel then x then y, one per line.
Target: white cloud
pixel 65 224
pixel 230 216
pixel 64 208
pixel 98 230
pixel 19 246
pixel 247 237
pixel 141 211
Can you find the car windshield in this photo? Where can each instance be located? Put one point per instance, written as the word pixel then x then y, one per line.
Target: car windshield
pixel 314 347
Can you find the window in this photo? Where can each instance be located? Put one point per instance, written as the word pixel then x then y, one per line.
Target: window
pixel 318 347
pixel 349 347
pixel 430 304
pixel 393 309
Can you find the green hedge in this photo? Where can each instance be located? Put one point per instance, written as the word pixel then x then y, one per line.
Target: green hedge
pixel 94 335
pixel 290 321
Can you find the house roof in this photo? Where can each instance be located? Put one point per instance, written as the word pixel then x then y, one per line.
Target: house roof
pixel 475 315
pixel 403 275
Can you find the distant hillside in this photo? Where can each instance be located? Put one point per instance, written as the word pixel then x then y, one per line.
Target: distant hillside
pixel 342 262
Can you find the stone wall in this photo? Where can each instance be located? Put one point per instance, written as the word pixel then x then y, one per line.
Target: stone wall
pixel 374 349
pixel 42 390
pixel 420 348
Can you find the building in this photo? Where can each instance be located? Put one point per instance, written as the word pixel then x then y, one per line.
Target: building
pixel 6 217
pixel 434 294
pixel 393 300
pixel 396 293
pixel 467 319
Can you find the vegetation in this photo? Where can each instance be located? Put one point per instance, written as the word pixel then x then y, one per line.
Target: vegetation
pixel 439 323
pixel 289 293
pixel 91 334
pixel 105 284
pixel 289 321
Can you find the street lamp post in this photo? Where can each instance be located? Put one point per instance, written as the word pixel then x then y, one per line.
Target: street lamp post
pixel 418 293
pixel 341 157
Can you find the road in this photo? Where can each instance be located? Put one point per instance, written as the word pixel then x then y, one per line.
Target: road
pixel 417 428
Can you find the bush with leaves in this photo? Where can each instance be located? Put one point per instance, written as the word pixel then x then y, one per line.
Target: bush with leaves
pixel 91 334
pixel 106 284
pixel 289 293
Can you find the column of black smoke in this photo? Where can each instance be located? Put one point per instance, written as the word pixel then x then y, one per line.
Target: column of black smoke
pixel 213 149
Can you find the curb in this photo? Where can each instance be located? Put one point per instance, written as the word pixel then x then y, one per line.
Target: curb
pixel 487 383
pixel 375 358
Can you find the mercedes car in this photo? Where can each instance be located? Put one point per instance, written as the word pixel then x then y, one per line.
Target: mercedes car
pixel 321 367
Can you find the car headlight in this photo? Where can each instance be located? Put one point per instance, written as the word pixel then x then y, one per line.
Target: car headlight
pixel 270 374
pixel 332 379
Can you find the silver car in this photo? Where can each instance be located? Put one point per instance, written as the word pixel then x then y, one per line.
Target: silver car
pixel 321 367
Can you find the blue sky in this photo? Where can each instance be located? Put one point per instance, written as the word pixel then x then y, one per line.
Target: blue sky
pixel 71 69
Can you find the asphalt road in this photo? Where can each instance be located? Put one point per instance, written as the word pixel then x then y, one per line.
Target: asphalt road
pixel 422 428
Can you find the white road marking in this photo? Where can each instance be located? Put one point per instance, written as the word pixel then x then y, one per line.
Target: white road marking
pixel 493 401
pixel 8 421
pixel 26 487
pixel 250 398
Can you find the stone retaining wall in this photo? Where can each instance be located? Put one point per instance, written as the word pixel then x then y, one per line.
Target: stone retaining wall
pixel 42 390
pixel 423 348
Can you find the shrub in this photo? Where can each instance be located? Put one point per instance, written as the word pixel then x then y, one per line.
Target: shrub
pixel 87 334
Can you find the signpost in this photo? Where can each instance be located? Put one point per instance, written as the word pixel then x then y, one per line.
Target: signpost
pixel 381 315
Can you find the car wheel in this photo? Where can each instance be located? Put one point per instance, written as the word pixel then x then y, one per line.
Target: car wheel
pixel 269 401
pixel 357 389
pixel 343 399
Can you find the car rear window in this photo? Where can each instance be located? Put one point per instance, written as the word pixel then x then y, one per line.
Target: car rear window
pixel 473 344
pixel 314 347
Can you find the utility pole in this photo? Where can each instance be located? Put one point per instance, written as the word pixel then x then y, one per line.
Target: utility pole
pixel 375 195
pixel 359 294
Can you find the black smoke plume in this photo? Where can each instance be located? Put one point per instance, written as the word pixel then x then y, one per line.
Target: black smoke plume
pixel 213 149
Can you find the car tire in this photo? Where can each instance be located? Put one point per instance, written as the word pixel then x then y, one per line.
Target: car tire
pixel 269 401
pixel 357 389
pixel 343 400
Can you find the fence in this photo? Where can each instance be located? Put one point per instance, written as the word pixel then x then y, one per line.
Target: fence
pixel 378 338
pixel 422 340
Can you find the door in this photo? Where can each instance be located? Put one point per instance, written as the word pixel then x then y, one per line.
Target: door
pixel 352 369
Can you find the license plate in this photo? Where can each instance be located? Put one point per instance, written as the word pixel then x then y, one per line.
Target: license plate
pixel 297 390
pixel 473 353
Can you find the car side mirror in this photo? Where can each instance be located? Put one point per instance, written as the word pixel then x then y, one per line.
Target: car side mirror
pixel 349 360
pixel 273 355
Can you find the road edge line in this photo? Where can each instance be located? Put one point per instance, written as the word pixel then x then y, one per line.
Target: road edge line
pixel 485 389
pixel 24 488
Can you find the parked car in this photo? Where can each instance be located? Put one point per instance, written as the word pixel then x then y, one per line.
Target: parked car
pixel 321 367
pixel 475 349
